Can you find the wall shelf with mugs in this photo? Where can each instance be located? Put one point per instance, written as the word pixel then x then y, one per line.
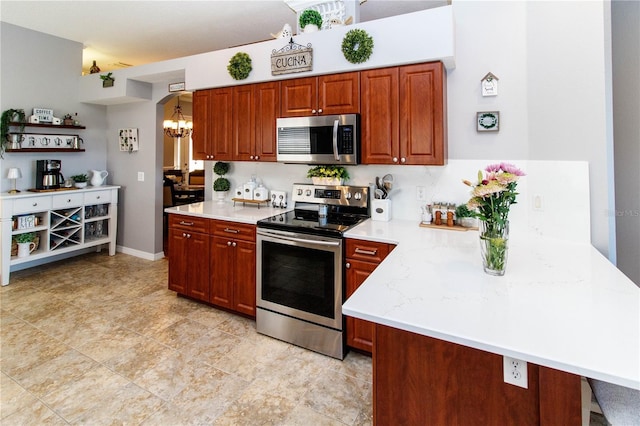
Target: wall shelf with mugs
pixel 44 142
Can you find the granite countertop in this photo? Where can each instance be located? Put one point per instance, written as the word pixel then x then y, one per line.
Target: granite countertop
pixel 560 304
pixel 243 213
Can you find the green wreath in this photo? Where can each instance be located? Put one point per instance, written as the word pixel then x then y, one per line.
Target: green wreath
pixel 239 66
pixel 357 46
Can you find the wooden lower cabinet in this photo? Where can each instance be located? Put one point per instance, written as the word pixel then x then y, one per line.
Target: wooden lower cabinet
pixel 419 380
pixel 216 265
pixel 189 256
pixel 362 258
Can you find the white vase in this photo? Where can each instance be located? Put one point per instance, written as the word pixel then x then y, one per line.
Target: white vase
pixel 310 28
pixel 80 184
pixel 326 181
pixel 221 196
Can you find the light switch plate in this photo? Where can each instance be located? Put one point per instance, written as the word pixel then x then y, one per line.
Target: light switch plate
pixel 140 176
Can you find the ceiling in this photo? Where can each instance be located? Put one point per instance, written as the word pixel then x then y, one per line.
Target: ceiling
pixel 117 34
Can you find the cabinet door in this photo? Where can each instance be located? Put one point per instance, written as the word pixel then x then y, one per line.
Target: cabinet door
pixel 379 122
pixel 299 97
pixel 243 119
pixel 221 269
pixel 422 114
pixel 244 291
pixel 197 272
pixel 221 125
pixel 359 332
pixel 178 260
pixel 339 93
pixel 201 114
pixel 267 107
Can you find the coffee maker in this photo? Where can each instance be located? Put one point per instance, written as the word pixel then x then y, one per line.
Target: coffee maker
pixel 48 174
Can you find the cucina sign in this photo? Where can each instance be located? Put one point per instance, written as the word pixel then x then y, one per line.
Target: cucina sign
pixel 292 58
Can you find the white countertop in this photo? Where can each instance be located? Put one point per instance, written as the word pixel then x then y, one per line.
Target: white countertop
pixel 560 304
pixel 26 193
pixel 244 213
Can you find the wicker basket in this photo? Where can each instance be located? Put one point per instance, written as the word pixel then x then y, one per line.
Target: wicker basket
pixel 14 245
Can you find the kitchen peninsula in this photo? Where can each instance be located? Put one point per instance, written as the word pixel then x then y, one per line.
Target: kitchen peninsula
pixel 442 327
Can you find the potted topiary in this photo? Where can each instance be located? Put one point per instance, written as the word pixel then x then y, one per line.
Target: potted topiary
pixel 221 185
pixel 465 217
pixel 9 116
pixel 107 80
pixel 328 175
pixel 80 181
pixel 310 21
pixel 26 243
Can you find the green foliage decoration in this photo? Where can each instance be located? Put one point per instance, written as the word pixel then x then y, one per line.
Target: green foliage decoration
pixel 310 16
pixel 239 66
pixel 357 46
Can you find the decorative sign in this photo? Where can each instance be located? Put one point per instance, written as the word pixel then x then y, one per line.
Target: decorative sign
pixel 488 121
pixel 176 87
pixel 128 139
pixel 489 85
pixel 292 58
pixel 26 222
pixel 45 115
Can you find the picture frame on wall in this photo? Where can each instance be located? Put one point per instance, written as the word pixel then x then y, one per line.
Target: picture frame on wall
pixel 488 121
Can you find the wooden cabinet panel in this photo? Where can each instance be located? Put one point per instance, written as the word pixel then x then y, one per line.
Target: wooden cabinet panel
pixel 379 120
pixel 201 115
pixel 189 223
pixel 178 261
pixel 243 116
pixel 267 110
pixel 404 115
pixel 324 95
pixel 189 263
pixel 244 296
pixel 222 269
pixel 220 122
pixel 362 258
pixel 422 114
pixel 234 230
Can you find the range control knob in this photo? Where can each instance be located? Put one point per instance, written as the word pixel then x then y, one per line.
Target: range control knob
pixel 308 193
pixel 358 196
pixel 299 191
pixel 347 195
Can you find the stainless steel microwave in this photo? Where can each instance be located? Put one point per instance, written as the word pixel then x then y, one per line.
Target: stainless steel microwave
pixel 323 139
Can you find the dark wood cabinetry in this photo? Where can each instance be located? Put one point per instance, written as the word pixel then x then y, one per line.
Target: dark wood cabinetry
pixel 255 109
pixel 404 115
pixel 212 124
pixel 233 266
pixel 362 258
pixel 189 256
pixel 213 261
pixel 323 95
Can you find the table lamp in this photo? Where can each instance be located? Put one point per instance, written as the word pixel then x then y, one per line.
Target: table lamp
pixel 14 173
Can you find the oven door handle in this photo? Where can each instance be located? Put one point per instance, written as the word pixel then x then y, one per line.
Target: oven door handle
pixel 306 241
pixel 335 140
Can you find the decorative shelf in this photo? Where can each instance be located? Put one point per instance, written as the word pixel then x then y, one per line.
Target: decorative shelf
pixel 45 150
pixel 52 126
pixel 254 202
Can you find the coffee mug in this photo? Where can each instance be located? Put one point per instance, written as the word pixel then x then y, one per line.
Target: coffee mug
pixel 57 141
pixel 44 141
pixel 25 249
pixel 32 141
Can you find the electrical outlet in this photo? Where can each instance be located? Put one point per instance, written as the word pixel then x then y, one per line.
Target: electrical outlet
pixel 515 372
pixel 538 203
pixel 140 176
pixel 421 193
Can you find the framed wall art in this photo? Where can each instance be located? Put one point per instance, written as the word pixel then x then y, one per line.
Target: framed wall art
pixel 488 121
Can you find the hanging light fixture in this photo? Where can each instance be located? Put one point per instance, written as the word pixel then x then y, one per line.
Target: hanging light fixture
pixel 178 126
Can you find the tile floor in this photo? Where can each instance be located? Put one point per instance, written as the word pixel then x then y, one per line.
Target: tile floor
pixel 100 340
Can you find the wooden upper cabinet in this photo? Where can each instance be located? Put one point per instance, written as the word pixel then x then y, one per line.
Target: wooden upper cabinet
pixel 243 115
pixel 200 136
pixel 267 106
pixel 220 122
pixel 404 115
pixel 324 95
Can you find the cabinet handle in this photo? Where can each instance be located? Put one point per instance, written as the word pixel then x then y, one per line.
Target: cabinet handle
pixel 348 265
pixel 184 235
pixel 369 252
pixel 257 157
pixel 233 231
pixel 395 159
pixel 34 204
pixel 182 222
pixel 68 200
pixel 234 244
pixel 403 160
pixel 98 197
pixel 313 111
pixel 320 111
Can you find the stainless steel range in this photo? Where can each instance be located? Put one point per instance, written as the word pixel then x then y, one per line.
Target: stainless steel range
pixel 299 266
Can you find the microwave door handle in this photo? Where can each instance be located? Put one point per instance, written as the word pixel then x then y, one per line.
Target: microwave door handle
pixel 335 140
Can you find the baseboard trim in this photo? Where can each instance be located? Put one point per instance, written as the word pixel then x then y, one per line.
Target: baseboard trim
pixel 139 253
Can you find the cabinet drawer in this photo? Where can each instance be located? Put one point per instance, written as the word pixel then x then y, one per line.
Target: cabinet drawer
pixel 66 200
pixel 189 223
pixel 31 205
pixel 368 251
pixel 239 231
pixel 97 197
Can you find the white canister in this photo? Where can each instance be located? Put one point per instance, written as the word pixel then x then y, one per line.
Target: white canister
pixel 261 193
pixel 238 192
pixel 247 192
pixel 381 209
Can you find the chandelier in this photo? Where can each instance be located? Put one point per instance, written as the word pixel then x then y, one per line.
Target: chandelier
pixel 178 126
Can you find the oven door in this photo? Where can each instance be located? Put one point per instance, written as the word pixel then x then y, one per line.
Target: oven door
pixel 300 276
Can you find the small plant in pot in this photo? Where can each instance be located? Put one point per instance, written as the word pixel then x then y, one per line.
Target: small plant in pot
pixel 465 217
pixel 221 185
pixel 80 181
pixel 310 20
pixel 107 80
pixel 328 175
pixel 12 115
pixel 27 237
